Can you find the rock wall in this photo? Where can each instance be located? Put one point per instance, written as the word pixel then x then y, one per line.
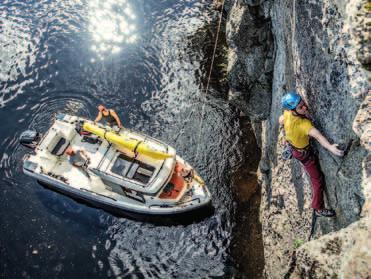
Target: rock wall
pixel 250 64
pixel 319 48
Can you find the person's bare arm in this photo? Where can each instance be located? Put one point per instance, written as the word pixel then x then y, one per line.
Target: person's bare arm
pixel 333 148
pixel 99 117
pixel 113 113
pixel 85 155
pixel 281 120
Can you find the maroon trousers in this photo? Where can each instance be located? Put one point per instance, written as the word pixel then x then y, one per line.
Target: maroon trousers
pixel 311 166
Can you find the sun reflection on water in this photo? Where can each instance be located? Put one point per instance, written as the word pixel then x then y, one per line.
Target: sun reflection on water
pixel 112 24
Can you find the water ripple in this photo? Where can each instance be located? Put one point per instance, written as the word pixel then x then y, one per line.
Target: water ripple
pixel 57 58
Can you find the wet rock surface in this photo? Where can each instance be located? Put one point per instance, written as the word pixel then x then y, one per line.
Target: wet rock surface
pixel 320 49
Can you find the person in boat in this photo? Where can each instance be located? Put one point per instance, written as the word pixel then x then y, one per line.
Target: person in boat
pixel 187 173
pixel 298 130
pixel 108 117
pixel 78 158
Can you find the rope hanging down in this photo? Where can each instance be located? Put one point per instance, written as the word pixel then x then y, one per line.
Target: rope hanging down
pixel 209 77
pixel 215 44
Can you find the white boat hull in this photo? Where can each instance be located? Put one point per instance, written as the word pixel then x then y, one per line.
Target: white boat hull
pixel 101 186
pixel 106 202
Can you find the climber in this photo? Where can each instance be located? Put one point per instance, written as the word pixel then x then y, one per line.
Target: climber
pixel 298 129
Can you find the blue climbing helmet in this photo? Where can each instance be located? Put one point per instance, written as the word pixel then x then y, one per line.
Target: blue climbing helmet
pixel 291 100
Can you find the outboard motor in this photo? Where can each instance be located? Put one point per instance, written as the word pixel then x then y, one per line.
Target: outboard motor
pixel 29 138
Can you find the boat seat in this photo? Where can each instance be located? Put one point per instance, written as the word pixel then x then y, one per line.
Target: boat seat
pixel 57 145
pixel 132 170
pixel 57 140
pixel 60 147
pixel 121 165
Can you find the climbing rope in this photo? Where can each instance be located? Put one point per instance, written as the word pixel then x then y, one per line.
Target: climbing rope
pixel 207 84
pixel 209 76
pixel 215 44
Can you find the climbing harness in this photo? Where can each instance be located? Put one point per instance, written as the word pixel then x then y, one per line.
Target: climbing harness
pixel 287 152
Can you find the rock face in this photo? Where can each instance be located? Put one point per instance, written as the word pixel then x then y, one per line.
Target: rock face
pixel 344 254
pixel 319 48
pixel 250 64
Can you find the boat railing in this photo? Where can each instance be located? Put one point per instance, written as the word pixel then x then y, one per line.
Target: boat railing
pixel 119 180
pixel 147 137
pixel 95 193
pixel 104 156
pixel 177 204
pixel 196 199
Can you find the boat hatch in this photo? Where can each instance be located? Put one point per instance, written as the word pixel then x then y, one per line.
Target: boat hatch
pixel 133 169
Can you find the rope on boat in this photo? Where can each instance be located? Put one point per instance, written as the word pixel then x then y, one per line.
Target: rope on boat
pixel 209 77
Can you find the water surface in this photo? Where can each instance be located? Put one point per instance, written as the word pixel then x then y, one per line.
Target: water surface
pixel 142 59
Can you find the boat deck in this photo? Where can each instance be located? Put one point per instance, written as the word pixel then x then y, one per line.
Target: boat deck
pixel 102 155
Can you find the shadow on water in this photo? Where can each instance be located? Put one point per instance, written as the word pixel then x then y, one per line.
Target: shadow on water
pixel 184 219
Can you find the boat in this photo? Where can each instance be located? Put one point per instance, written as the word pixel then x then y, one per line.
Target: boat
pixel 124 170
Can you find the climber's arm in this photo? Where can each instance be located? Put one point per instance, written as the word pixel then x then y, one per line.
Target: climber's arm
pixel 313 132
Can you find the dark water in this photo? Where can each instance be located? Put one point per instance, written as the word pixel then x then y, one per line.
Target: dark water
pixel 143 59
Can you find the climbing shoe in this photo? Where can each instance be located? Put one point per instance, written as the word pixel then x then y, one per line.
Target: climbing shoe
pixel 325 213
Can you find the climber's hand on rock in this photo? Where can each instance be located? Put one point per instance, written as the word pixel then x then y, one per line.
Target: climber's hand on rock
pixel 336 151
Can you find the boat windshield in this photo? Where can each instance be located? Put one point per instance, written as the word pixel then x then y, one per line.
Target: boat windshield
pixel 133 169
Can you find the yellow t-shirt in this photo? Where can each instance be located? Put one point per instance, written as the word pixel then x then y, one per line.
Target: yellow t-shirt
pixel 296 129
